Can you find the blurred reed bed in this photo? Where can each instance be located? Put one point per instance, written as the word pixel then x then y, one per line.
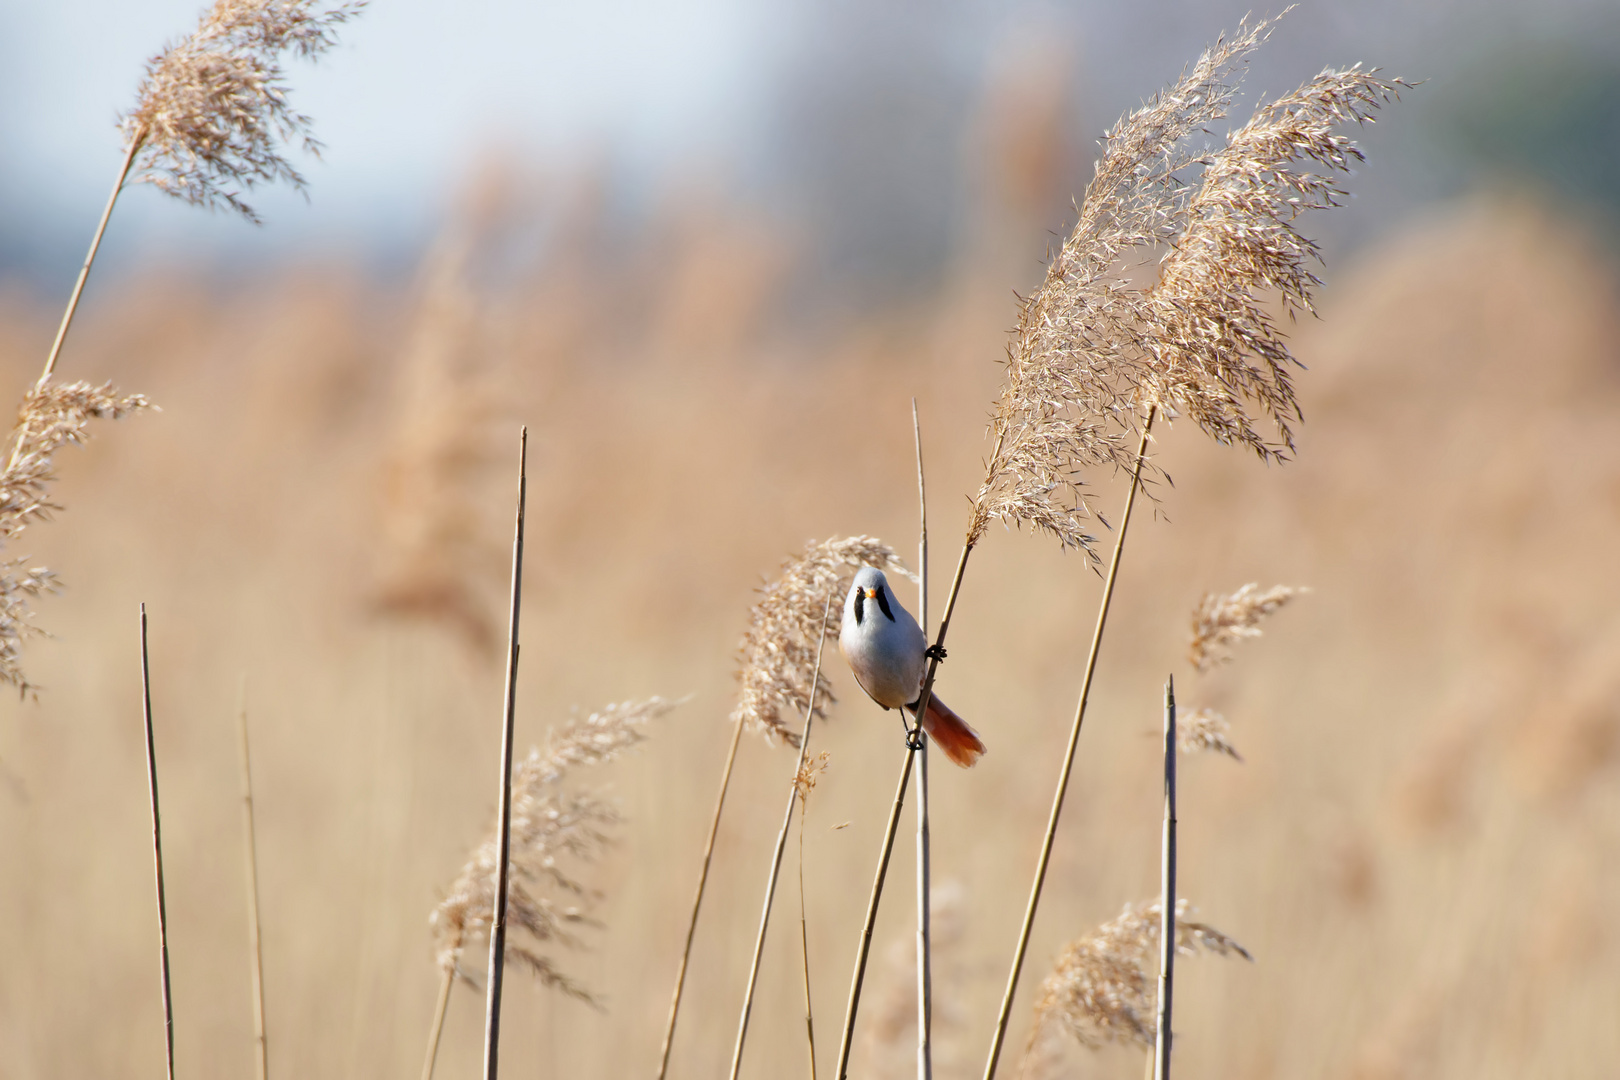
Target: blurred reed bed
pixel 1375 895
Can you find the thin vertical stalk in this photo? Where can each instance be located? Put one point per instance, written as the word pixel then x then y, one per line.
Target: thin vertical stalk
pixel 157 851
pixel 697 900
pixel 804 939
pixel 1068 758
pixel 137 140
pixel 1167 897
pixel 497 927
pixel 256 953
pixel 925 956
pixel 439 1009
pixel 865 947
pixel 781 845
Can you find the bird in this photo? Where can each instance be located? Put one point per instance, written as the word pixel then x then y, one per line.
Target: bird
pixel 888 653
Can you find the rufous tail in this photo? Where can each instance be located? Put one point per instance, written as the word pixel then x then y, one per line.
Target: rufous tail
pixel 952 734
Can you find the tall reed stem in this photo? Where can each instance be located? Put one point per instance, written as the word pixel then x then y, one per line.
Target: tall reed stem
pixel 804 939
pixel 1068 758
pixel 781 845
pixel 925 955
pixel 439 1009
pixel 697 900
pixel 157 851
pixel 137 140
pixel 256 953
pixel 1167 897
pixel 497 926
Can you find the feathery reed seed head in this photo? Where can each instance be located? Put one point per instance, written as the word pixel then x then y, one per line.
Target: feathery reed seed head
pixel 213 107
pixel 1101 988
pixel 52 416
pixel 1205 730
pixel 552 826
pixel 1097 348
pixel 1220 622
pixel 777 655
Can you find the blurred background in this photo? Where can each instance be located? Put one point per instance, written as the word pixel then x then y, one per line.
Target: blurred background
pixel 709 253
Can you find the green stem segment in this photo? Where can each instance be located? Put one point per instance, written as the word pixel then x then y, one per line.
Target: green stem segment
pixel 1068 759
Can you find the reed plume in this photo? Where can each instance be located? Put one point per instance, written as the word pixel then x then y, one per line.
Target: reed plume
pixel 780 675
pixel 51 418
pixel 212 111
pixel 553 826
pixel 785 629
pixel 1101 988
pixel 1221 621
pixel 1205 731
pixel 1107 345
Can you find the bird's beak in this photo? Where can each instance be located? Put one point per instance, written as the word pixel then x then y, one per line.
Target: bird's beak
pixel 871 594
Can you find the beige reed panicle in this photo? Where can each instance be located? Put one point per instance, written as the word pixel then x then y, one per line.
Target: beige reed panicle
pixel 1109 339
pixel 1111 342
pixel 212 111
pixel 778 651
pixel 553 825
pixel 1220 621
pixel 1101 988
pixel 51 417
pixel 1205 731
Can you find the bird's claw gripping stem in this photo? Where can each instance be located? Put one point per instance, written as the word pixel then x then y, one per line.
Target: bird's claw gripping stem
pixel 934 652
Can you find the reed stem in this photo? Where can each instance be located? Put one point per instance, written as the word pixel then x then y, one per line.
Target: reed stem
pixel 157 851
pixel 497 927
pixel 697 900
pixel 865 947
pixel 781 845
pixel 135 143
pixel 256 953
pixel 804 939
pixel 439 1009
pixel 1068 759
pixel 1167 897
pixel 925 956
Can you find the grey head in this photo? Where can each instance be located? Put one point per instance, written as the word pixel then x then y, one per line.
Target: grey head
pixel 869 596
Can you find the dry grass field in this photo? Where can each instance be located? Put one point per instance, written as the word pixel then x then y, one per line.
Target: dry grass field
pixel 1418 849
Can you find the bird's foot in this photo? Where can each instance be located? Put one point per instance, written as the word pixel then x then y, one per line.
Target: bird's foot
pixel 914 738
pixel 934 652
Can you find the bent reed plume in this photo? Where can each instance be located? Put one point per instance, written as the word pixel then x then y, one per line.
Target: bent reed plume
pixel 1221 621
pixel 778 651
pixel 51 417
pixel 1106 346
pixel 552 824
pixel 1101 987
pixel 213 108
pixel 779 671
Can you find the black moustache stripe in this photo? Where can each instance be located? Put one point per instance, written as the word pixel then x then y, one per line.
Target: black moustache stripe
pixel 883 602
pixel 860 605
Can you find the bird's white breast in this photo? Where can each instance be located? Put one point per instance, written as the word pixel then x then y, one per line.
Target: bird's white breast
pixel 886 656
